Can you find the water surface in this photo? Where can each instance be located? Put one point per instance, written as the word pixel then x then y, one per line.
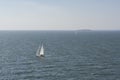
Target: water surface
pixel 92 55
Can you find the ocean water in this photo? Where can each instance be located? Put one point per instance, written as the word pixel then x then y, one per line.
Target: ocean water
pixel 85 55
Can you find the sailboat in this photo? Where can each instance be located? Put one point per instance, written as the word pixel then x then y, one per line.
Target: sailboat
pixel 40 51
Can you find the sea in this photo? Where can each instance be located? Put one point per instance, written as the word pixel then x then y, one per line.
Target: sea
pixel 69 55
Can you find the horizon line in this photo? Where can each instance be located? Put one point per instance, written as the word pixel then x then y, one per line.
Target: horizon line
pixel 56 30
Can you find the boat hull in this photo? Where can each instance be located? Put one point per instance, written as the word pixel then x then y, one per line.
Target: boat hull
pixel 42 56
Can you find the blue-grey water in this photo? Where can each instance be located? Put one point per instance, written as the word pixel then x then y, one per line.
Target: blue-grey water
pixel 84 55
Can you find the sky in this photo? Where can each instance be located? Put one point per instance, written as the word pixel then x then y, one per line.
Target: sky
pixel 59 14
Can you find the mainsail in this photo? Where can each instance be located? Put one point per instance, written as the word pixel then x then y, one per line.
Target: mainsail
pixel 40 51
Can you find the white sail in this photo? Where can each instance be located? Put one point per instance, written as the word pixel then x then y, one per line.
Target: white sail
pixel 40 51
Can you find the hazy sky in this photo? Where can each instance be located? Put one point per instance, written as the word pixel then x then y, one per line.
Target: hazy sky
pixel 59 14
